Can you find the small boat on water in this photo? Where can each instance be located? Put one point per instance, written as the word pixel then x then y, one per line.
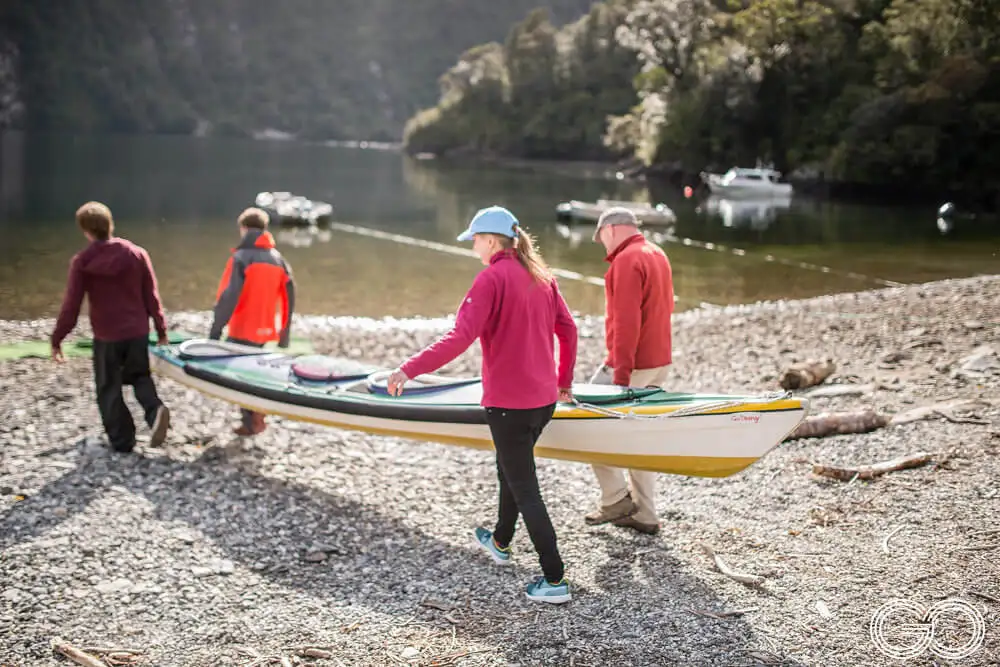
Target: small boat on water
pixel 700 435
pixel 288 209
pixel 747 182
pixel 580 211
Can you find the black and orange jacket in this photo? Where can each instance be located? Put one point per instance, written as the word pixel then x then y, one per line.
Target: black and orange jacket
pixel 256 282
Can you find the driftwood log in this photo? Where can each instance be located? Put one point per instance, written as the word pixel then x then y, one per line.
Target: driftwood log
pixel 807 373
pixel 76 655
pixel 832 423
pixel 863 421
pixel 315 653
pixel 874 470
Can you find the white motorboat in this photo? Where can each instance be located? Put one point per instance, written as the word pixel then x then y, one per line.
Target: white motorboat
pixel 747 182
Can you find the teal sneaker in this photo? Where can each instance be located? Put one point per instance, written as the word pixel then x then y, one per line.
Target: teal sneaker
pixel 541 590
pixel 484 539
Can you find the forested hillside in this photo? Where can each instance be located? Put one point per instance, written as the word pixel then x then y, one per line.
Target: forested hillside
pixel 344 69
pixel 883 94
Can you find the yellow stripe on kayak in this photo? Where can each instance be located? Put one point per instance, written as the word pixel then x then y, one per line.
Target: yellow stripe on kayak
pixel 776 406
pixel 695 466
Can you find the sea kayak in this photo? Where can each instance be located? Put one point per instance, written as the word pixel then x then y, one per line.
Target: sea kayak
pixel 703 435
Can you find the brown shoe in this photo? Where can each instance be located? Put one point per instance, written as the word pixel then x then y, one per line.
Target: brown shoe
pixel 623 508
pixel 158 432
pixel 630 522
pixel 257 426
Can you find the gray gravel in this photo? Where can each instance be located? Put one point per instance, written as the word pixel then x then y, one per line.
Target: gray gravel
pixel 215 551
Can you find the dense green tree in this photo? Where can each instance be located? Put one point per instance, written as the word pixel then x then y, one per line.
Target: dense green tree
pixel 546 93
pixel 931 120
pixel 888 93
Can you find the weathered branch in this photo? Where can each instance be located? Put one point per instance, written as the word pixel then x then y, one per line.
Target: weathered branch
pixel 107 649
pixel 935 410
pixel 885 540
pixel 748 579
pixel 75 654
pixel 874 470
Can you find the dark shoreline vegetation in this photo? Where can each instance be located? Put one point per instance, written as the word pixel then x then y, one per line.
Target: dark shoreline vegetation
pixel 858 99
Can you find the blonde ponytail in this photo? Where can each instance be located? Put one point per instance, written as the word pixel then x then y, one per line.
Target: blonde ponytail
pixel 529 256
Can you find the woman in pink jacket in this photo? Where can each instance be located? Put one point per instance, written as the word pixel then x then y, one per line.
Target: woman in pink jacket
pixel 513 307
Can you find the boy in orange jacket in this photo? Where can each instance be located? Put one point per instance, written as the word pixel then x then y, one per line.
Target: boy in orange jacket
pixel 257 281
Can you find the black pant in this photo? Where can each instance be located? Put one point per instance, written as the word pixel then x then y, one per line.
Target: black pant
pixel 515 433
pixel 246 416
pixel 118 363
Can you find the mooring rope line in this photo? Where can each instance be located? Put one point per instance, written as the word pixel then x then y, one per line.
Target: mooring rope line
pixel 599 282
pixel 444 247
pixel 687 411
pixel 740 252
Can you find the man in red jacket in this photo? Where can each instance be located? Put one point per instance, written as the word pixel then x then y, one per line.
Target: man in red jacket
pixel 256 283
pixel 639 295
pixel 117 277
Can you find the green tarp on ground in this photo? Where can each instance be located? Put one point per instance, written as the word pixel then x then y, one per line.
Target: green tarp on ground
pixel 82 347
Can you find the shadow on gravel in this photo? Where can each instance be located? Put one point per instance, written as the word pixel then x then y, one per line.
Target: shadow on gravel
pixel 343 552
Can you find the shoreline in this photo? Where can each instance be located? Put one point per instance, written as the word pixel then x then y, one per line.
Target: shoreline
pixel 360 546
pixel 659 176
pixel 316 321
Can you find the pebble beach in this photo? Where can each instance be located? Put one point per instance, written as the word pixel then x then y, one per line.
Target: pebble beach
pixel 309 545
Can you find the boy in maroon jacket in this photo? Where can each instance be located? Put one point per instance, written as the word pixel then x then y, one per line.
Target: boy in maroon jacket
pixel 117 277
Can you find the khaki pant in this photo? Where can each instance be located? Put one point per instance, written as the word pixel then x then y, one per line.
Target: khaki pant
pixel 613 484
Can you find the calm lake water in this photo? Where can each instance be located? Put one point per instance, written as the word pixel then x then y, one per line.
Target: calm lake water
pixel 179 197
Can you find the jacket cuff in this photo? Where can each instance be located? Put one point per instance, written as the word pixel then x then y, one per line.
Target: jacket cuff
pixel 407 368
pixel 622 377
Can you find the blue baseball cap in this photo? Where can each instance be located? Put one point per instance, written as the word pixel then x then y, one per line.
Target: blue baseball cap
pixel 491 220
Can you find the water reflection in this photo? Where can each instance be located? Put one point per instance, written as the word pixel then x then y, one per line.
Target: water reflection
pixel 574 234
pixel 190 180
pixel 754 214
pixel 456 192
pixel 12 157
pixel 301 237
pixel 180 198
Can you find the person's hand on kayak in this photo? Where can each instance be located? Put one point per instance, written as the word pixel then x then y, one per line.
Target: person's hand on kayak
pixel 566 395
pixel 396 381
pixel 162 340
pixel 57 354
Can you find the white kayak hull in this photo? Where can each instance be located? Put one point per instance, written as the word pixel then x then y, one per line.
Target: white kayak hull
pixel 704 442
